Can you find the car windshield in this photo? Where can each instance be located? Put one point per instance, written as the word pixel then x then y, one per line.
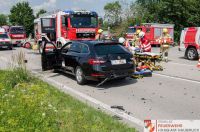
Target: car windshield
pixel 3 36
pixel 17 30
pixel 105 49
pixel 84 21
pixel 131 30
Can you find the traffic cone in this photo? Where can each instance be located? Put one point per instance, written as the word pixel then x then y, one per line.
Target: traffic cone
pixel 198 65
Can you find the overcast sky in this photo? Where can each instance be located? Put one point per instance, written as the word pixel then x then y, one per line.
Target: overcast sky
pixel 49 5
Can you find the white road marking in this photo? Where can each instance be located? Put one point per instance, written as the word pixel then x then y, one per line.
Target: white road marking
pixel 182 64
pixel 86 97
pixel 178 78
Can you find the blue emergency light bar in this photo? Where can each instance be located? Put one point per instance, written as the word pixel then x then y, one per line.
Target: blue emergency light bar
pixel 79 12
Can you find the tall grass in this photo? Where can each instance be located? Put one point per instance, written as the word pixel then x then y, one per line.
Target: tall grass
pixel 17 72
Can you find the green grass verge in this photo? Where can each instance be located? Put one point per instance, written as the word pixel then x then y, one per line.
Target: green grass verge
pixel 28 104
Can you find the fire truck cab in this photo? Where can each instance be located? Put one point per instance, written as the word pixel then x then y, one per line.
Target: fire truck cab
pixel 190 42
pixel 17 35
pixel 65 26
pixel 153 31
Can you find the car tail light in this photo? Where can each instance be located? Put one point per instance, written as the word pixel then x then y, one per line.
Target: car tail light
pixel 95 61
pixel 97 75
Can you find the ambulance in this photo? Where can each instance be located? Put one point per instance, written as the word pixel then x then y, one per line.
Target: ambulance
pixel 5 41
pixel 190 42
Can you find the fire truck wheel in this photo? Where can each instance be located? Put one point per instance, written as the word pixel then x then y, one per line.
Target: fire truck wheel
pixel 191 53
pixel 80 76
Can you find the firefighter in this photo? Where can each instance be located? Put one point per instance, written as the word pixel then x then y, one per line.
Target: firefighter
pixel 165 41
pixel 145 45
pixel 124 42
pixel 136 38
pixel 99 35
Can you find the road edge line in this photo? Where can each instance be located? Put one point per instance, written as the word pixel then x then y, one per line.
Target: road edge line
pixel 178 78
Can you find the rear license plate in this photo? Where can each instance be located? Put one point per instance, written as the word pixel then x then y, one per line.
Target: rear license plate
pixel 118 62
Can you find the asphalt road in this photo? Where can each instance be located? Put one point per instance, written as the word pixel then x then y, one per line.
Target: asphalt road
pixel 170 94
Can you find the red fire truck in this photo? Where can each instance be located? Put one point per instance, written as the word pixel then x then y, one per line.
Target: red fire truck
pixel 153 31
pixel 65 26
pixel 190 42
pixel 17 35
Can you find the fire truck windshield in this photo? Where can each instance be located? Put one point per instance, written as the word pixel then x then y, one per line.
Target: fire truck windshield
pixel 84 21
pixel 17 30
pixel 131 30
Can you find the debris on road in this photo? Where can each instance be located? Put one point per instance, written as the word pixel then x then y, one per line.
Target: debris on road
pixel 118 107
pixel 104 81
pixel 143 99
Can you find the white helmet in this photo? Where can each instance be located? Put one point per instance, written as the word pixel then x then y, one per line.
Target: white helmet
pixel 141 34
pixel 121 40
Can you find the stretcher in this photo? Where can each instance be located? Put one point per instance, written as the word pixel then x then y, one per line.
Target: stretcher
pixel 149 59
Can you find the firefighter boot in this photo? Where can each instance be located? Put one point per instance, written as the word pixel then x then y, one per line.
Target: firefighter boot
pixel 166 57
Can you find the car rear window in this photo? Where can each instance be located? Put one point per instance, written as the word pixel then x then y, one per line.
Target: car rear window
pixel 3 36
pixel 17 30
pixel 110 49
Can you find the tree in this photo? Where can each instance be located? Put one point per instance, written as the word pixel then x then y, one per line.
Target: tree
pixel 3 19
pixel 22 14
pixel 113 12
pixel 194 11
pixel 40 12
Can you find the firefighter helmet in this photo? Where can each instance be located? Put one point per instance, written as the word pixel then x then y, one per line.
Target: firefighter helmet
pixel 138 31
pixel 165 30
pixel 100 31
pixel 141 34
pixel 121 40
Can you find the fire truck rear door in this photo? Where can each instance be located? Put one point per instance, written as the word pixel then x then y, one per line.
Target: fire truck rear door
pixel 51 57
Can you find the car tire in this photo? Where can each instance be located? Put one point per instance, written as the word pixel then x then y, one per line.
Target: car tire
pixel 80 77
pixel 191 53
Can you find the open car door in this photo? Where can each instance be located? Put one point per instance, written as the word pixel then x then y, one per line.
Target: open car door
pixel 51 57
